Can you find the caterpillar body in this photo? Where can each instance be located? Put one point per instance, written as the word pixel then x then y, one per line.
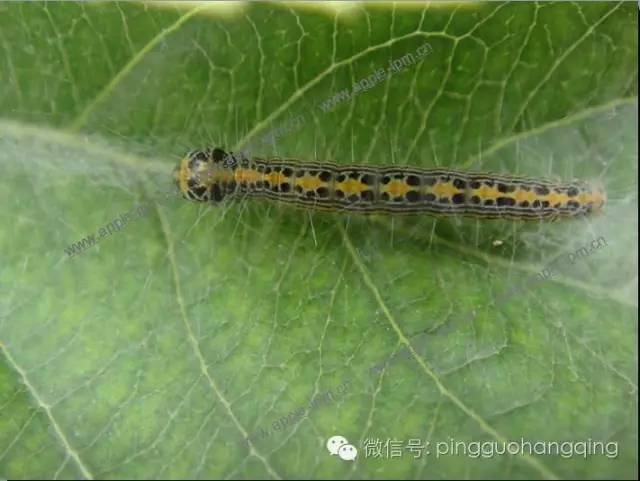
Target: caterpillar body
pixel 213 175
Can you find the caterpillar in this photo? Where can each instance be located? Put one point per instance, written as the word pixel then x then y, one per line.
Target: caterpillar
pixel 212 175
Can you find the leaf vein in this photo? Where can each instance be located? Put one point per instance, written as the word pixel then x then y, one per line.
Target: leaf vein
pixel 534 463
pixel 69 450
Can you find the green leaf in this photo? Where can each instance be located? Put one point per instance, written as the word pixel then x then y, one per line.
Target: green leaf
pixel 172 346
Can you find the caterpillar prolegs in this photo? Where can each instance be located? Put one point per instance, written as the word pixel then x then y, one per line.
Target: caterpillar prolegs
pixel 214 175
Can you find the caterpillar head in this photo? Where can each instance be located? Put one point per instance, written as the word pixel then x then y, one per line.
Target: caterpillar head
pixel 206 175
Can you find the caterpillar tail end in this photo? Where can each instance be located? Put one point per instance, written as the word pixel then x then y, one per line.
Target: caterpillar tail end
pixel 599 198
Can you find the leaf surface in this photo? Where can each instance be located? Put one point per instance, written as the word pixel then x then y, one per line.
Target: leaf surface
pixel 180 345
